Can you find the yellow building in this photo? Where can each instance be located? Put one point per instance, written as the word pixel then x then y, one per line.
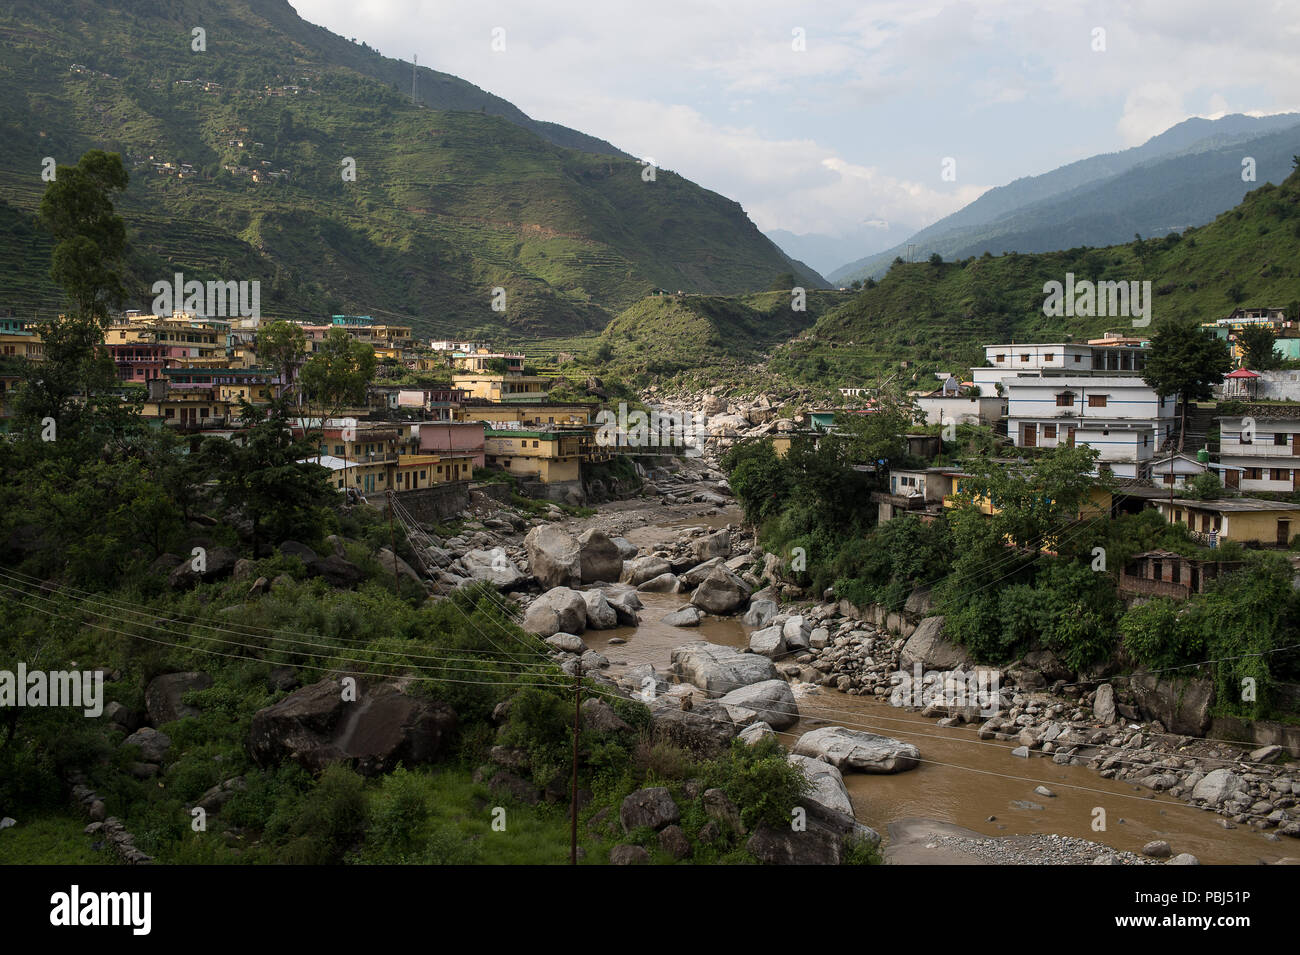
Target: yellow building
pixel 193 408
pixel 547 455
pixel 499 387
pixel 1246 520
pixel 534 415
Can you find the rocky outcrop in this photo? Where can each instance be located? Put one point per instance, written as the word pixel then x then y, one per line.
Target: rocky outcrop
pixel 315 726
pixel 164 697
pixel 554 557
pixel 1182 704
pixel 648 808
pixel 855 750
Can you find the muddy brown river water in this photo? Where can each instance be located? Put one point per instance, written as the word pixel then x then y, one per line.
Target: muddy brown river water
pixel 962 779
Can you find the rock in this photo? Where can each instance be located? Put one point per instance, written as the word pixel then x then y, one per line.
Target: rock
pixel 1182 704
pixel 1044 791
pixel 760 612
pixel 813 846
pixel 827 783
pixel 567 642
pixel 718 670
pixel 215 798
pixel 559 610
pixel 1048 664
pixel 599 717
pixel 767 642
pixel 648 808
pixel 314 726
pixel 628 855
pixel 1266 754
pixel 717 544
pixel 1157 849
pixel 554 557
pixel 1021 751
pixel 506 783
pixel 673 841
pixel 663 584
pixel 494 567
pixel 770 701
pixel 755 733
pixel 393 564
pixel 705 730
pixel 626 549
pixel 796 633
pixel 598 557
pixel 695 576
pixel 301 551
pixel 723 811
pixel 1218 786
pixel 932 650
pixel 819 638
pixel 641 569
pixel 218 563
pixel 600 615
pixel 163 696
pixel 685 617
pixel 153 743
pixel 119 715
pixel 722 592
pixel 625 603
pixel 1103 706
pixel 8 822
pixel 335 571
pixel 1184 858
pixel 855 750
pixel 243 569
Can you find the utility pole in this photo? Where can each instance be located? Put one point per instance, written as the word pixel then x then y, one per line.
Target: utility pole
pixel 392 539
pixel 415 62
pixel 573 794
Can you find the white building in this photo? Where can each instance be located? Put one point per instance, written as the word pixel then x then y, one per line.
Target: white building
pixel 1007 361
pixel 1120 416
pixel 1259 453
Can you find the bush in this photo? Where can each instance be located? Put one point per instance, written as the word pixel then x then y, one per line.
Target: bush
pixel 760 781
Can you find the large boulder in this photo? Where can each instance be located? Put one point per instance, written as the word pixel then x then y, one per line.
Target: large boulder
pixel 827 783
pixel 687 616
pixel 718 670
pixel 695 576
pixel 863 752
pixel 559 610
pixel 153 743
pixel 494 567
pixel 315 726
pixel 626 549
pixel 722 592
pixel 760 613
pixel 932 650
pixel 663 584
pixel 337 571
pixel 554 556
pixel 393 564
pixel 717 544
pixel 600 615
pixel 704 730
pixel 653 808
pixel 163 696
pixel 1103 704
pixel 641 569
pixel 767 642
pixel 1181 703
pixel 1217 786
pixel 625 603
pixel 771 702
pixel 598 557
pixel 217 563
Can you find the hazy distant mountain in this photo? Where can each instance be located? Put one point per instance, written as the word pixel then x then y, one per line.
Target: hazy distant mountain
pixel 1183 177
pixel 827 252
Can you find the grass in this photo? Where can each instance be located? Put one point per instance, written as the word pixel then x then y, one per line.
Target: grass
pixel 52 839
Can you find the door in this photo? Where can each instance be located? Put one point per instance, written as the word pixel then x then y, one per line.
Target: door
pixel 1069 436
pixel 1283 533
pixel 1029 436
pixel 1231 477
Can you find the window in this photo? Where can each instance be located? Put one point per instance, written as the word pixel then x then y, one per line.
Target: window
pixel 1097 401
pixel 1049 431
pixel 1169 479
pixel 1049 357
pixel 1000 358
pixel 1065 399
pixel 1024 356
pixel 1279 474
pixel 1077 358
pixel 1252 474
pixel 1279 440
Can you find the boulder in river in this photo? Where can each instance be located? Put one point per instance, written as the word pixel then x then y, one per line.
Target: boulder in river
pixel 827 783
pixel 717 669
pixel 559 610
pixel 695 576
pixel 640 569
pixel 494 567
pixel 932 650
pixel 722 592
pixel 770 701
pixel 663 584
pixel 554 556
pixel 687 616
pixel 598 557
pixel 600 615
pixel 855 750
pixel 767 642
pixel 717 544
pixel 760 613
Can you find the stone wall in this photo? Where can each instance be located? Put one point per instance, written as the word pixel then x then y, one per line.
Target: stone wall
pixel 431 505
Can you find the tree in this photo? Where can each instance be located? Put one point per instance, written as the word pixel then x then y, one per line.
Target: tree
pixel 783 282
pixel 337 375
pixel 90 238
pixel 936 259
pixel 1258 343
pixel 282 346
pixel 1187 361
pixel 267 475
pixel 878 435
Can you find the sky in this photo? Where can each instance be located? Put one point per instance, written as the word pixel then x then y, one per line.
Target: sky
pixel 839 116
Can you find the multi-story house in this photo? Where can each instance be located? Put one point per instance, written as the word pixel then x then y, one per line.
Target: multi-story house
pixel 1260 451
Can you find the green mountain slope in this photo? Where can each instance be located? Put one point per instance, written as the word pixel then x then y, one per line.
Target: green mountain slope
pixel 447 204
pixel 936 317
pixel 1183 177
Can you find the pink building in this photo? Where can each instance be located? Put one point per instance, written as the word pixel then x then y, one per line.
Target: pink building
pixel 144 361
pixel 453 439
